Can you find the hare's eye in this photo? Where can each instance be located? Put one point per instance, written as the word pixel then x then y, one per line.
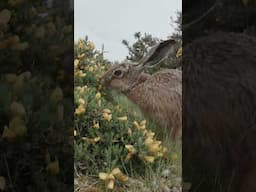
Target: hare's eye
pixel 118 73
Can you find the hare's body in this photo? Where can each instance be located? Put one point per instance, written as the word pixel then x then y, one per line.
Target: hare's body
pixel 219 110
pixel 158 96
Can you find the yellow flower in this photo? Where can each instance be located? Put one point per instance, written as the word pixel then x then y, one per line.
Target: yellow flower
pixel 124 118
pixel 90 69
pixel 81 56
pixel 164 149
pixel 96 125
pixel 10 42
pixel 149 159
pixel 16 2
pixel 17 127
pixel 79 73
pixel 16 121
pixel 107 116
pixel 53 167
pixel 110 178
pixel 20 130
pixel 131 151
pixel 91 140
pixel 143 122
pixel 17 109
pixel 150 134
pixel 105 176
pixel 57 95
pixel 179 53
pixel 106 111
pixel 91 45
pixel 154 148
pixel 111 184
pixel 81 90
pixel 81 45
pixel 174 156
pixel 99 103
pixel 136 124
pixel 8 134
pixel 76 63
pixel 2 183
pixel 141 125
pixel 80 110
pixel 5 16
pixel 130 148
pixel 97 96
pixel 129 156
pixel 81 101
pixel 129 131
pixel 119 175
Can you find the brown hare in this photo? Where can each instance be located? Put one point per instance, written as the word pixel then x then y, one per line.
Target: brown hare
pixel 219 111
pixel 159 95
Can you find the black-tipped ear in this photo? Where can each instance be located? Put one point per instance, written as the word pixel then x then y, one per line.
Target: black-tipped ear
pixel 158 53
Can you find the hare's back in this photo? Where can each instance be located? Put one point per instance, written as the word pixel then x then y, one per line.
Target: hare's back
pixel 168 79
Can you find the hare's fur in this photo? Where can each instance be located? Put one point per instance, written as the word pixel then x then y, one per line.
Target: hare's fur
pixel 158 96
pixel 219 121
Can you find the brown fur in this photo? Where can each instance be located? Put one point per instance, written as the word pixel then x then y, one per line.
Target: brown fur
pixel 158 96
pixel 219 119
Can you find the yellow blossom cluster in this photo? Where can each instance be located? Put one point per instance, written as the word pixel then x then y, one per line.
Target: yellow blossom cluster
pixel 80 110
pixel 110 178
pixel 79 73
pixel 53 167
pixel 17 127
pixel 91 140
pixel 106 114
pixel 101 115
pixel 155 148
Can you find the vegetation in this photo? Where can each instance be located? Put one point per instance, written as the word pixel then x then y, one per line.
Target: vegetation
pixel 201 18
pixel 36 125
pixel 144 42
pixel 115 148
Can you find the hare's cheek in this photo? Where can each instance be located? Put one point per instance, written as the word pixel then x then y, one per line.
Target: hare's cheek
pixel 117 84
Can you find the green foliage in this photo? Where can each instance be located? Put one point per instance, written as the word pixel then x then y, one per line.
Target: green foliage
pixel 28 137
pixel 143 43
pixel 138 49
pixel 36 148
pixel 108 136
pixel 176 23
pixel 33 35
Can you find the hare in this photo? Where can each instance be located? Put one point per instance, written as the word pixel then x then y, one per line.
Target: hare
pixel 219 119
pixel 158 96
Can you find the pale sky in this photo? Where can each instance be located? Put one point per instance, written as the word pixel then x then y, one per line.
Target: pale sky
pixel 108 22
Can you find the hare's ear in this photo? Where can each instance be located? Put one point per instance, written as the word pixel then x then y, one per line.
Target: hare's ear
pixel 158 53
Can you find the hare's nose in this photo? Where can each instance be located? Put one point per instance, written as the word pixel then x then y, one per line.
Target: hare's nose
pixel 103 82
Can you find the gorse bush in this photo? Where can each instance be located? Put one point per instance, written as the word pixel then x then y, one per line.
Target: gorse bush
pixel 33 145
pixel 111 141
pixel 36 122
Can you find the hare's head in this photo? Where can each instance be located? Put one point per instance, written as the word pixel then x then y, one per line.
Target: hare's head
pixel 122 76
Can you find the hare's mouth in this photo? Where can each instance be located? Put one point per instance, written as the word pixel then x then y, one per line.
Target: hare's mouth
pixel 104 83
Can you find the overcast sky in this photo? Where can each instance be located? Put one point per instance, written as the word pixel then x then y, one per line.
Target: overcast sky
pixel 108 22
